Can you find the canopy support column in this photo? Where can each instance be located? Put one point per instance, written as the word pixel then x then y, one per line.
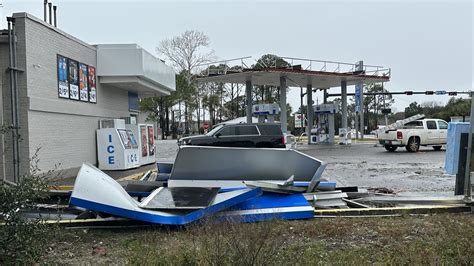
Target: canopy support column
pixel 309 110
pixel 344 103
pixel 248 97
pixel 283 118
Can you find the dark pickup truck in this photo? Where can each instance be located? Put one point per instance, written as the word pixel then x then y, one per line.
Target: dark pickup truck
pixel 239 135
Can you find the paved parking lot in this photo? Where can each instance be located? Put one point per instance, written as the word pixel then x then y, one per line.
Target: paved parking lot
pixel 367 166
pixel 364 165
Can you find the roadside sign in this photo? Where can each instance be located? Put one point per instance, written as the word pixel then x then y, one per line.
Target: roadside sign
pixel 299 119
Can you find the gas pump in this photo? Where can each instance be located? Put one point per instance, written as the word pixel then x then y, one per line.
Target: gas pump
pixel 324 130
pixel 345 136
pixel 266 112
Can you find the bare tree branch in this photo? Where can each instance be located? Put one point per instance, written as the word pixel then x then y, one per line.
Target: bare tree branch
pixel 187 51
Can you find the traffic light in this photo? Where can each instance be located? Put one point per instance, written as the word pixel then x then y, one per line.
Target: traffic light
pixel 452 93
pixel 429 92
pixel 409 92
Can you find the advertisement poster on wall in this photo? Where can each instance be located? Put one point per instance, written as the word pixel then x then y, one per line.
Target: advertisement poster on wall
pixel 73 80
pixel 92 85
pixel 144 141
pixel 151 141
pixel 63 83
pixel 83 88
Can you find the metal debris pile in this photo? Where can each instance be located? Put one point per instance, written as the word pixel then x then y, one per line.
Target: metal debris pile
pixel 211 182
pixel 208 181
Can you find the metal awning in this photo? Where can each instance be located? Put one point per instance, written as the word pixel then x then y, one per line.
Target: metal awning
pixel 130 67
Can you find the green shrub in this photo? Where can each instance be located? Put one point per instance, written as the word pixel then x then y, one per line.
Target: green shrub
pixel 21 239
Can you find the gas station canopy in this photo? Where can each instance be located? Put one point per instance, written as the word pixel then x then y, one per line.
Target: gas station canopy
pixel 295 77
pixel 284 72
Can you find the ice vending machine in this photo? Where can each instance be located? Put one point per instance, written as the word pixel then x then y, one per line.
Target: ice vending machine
pixel 117 147
pixel 146 142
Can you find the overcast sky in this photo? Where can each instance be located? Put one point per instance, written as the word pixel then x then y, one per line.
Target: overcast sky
pixel 427 44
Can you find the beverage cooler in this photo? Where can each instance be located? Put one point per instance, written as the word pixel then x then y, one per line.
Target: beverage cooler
pixel 117 146
pixel 146 142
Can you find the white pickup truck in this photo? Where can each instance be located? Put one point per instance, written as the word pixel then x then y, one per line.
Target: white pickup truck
pixel 425 132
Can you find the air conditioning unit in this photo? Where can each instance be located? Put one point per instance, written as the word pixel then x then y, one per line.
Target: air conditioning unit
pixel 112 123
pixel 131 120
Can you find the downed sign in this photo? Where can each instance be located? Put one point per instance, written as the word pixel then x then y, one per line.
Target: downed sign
pixel 262 184
pixel 95 190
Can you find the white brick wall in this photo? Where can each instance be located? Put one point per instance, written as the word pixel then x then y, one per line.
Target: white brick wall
pixel 63 129
pixel 68 140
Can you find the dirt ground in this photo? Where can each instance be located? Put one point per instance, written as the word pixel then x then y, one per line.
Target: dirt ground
pixel 364 165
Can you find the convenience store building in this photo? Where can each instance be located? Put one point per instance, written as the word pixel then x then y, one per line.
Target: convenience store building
pixel 55 88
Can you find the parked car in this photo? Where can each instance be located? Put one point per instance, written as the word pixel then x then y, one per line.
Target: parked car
pixel 239 135
pixel 425 132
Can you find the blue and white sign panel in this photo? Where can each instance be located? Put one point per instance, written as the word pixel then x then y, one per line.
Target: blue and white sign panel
pixel 358 96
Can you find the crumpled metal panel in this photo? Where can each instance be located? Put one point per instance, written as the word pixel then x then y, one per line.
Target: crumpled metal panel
pixel 180 198
pixel 95 190
pixel 270 206
pixel 229 167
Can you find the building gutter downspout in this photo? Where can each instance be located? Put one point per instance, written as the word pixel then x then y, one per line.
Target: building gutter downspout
pixel 14 98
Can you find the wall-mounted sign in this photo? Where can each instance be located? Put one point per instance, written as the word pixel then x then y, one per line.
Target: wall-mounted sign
pixel 73 79
pixel 83 87
pixel 92 85
pixel 76 81
pixel 63 83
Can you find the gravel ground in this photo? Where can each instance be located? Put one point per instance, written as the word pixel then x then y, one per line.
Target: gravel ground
pixel 364 165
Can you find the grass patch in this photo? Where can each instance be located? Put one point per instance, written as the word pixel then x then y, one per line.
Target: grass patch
pixel 433 239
